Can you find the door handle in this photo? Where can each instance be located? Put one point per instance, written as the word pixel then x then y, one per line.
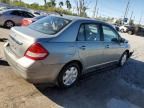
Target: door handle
pixel 107 46
pixel 83 47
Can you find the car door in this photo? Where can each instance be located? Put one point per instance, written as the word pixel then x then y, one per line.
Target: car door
pixel 113 48
pixel 16 16
pixel 90 46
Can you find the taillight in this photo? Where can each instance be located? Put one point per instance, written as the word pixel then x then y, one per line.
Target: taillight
pixel 36 52
pixel 26 22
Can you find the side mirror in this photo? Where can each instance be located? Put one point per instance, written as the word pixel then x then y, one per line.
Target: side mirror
pixel 115 40
pixel 122 40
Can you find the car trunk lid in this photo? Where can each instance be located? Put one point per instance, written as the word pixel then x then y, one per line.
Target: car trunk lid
pixel 21 38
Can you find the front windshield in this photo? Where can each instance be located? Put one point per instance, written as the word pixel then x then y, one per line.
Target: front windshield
pixel 49 25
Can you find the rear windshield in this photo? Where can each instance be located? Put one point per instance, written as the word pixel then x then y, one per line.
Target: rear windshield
pixel 50 25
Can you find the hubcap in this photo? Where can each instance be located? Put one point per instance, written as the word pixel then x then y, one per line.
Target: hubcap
pixel 70 76
pixel 9 24
pixel 123 60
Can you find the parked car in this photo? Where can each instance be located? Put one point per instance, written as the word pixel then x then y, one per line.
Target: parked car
pixel 4 8
pixel 131 30
pixel 13 17
pixel 28 21
pixel 139 31
pixel 123 28
pixel 59 49
pixel 136 30
pixel 116 27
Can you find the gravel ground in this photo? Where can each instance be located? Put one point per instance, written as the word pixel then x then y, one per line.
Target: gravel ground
pixel 113 87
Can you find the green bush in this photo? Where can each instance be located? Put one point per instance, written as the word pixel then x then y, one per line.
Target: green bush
pixel 36 6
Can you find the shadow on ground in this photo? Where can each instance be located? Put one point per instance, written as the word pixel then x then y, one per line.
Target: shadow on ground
pixel 103 88
pixel 3 63
pixel 4 27
pixel 3 39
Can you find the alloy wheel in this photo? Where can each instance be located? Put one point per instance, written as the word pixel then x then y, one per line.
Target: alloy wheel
pixel 70 76
pixel 123 59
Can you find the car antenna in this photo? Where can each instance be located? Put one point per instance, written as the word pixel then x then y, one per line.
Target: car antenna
pixel 60 13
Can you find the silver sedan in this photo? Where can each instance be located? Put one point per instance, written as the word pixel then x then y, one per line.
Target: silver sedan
pixel 59 49
pixel 13 17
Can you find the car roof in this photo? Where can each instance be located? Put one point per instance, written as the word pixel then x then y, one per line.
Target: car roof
pixel 14 10
pixel 76 18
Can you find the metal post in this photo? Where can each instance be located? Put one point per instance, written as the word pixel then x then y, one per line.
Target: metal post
pixel 95 8
pixel 127 9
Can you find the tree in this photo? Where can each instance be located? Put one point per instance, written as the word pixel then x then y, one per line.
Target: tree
pixel 68 4
pixel 131 22
pixel 45 2
pixel 17 3
pixel 34 5
pixel 118 22
pixel 5 1
pixel 61 4
pixel 51 3
pixel 82 6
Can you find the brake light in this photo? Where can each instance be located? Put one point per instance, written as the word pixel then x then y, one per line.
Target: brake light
pixel 36 52
pixel 26 22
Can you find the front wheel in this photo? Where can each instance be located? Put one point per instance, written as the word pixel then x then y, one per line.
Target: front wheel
pixel 69 75
pixel 123 59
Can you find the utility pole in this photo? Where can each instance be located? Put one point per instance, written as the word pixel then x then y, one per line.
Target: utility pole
pixel 134 18
pixel 140 19
pixel 127 9
pixel 131 15
pixel 95 8
pixel 97 12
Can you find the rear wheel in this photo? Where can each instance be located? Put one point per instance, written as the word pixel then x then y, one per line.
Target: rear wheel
pixel 9 24
pixel 122 30
pixel 123 59
pixel 130 32
pixel 69 75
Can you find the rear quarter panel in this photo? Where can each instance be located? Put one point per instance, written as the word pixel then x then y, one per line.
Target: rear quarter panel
pixel 2 20
pixel 60 52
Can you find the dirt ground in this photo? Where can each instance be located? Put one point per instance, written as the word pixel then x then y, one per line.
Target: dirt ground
pixel 114 87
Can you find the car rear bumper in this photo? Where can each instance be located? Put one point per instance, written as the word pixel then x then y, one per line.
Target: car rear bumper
pixel 33 71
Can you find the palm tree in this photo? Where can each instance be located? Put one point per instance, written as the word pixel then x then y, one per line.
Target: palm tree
pixel 68 4
pixel 45 2
pixel 5 1
pixel 61 4
pixel 51 3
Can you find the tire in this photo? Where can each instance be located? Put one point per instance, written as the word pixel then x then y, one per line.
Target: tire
pixel 65 78
pixel 130 32
pixel 123 59
pixel 9 24
pixel 122 30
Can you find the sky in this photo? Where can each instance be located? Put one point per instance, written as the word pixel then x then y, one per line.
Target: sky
pixel 111 8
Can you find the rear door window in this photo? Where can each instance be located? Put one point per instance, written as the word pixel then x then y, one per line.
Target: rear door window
pixel 27 14
pixel 81 34
pixel 16 13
